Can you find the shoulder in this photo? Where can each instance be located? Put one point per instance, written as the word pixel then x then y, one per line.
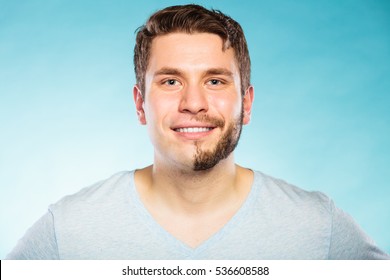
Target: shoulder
pixel 288 206
pixel 284 193
pixel 313 217
pixel 113 187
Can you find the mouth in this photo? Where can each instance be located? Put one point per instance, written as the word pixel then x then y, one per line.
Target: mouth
pixel 190 132
pixel 200 128
pixel 193 129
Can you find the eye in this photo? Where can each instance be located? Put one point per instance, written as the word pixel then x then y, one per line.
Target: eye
pixel 214 82
pixel 171 82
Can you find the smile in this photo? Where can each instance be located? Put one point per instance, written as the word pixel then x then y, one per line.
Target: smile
pixel 193 129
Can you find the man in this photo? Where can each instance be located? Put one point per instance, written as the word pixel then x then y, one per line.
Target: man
pixel 193 92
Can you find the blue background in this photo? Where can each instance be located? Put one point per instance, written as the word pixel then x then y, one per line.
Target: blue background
pixel 320 119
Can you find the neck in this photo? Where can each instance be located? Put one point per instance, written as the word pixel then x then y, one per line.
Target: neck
pixel 198 186
pixel 192 191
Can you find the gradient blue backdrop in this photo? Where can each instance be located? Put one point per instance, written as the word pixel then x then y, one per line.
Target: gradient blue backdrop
pixel 320 119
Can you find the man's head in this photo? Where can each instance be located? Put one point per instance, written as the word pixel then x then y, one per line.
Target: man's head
pixel 193 92
pixel 191 19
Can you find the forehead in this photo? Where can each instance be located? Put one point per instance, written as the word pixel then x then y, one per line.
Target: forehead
pixel 190 51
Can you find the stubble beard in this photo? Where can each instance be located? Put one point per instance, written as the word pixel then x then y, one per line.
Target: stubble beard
pixel 206 159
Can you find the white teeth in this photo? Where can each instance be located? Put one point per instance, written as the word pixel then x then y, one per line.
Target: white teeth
pixel 193 129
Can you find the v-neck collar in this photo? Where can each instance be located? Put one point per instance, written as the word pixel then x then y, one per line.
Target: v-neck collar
pixel 173 242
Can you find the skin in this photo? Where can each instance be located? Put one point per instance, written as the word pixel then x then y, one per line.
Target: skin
pixel 192 82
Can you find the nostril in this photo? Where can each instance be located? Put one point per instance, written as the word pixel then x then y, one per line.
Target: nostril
pixel 193 110
pixel 193 105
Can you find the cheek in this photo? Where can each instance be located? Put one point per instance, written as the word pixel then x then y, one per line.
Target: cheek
pixel 157 110
pixel 228 106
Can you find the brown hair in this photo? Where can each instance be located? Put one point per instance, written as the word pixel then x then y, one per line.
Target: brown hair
pixel 191 19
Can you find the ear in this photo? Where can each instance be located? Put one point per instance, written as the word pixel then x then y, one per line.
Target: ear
pixel 139 104
pixel 247 104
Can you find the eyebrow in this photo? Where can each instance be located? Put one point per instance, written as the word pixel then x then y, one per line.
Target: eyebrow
pixel 208 72
pixel 168 71
pixel 219 71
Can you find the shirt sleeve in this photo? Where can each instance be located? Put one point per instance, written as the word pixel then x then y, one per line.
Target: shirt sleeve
pixel 348 241
pixel 39 242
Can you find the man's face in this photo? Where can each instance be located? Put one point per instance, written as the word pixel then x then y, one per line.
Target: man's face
pixel 193 105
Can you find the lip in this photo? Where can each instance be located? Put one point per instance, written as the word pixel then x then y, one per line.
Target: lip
pixel 191 131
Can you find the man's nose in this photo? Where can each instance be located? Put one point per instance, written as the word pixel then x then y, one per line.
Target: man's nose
pixel 194 99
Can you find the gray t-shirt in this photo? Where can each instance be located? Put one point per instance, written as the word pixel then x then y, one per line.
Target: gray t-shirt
pixel 276 221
